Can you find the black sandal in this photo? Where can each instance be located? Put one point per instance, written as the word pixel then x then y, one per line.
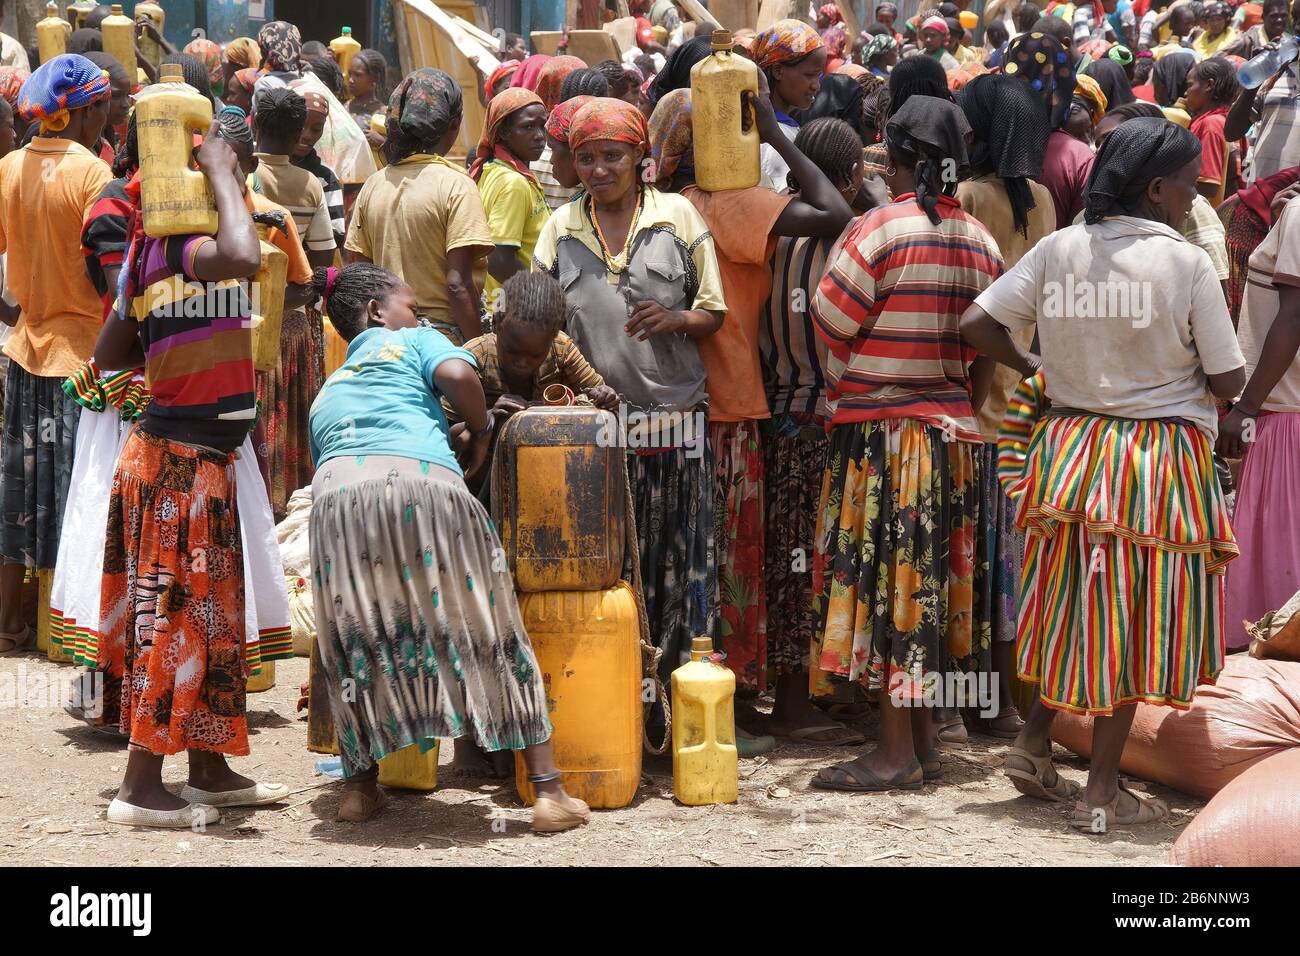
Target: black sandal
pixel 864 780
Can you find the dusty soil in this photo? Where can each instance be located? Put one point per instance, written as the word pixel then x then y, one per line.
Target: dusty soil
pixel 59 775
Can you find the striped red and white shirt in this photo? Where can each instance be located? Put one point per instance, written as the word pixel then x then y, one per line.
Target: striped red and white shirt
pixel 888 310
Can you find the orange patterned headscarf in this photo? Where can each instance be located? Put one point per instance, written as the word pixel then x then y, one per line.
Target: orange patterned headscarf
pixel 784 41
pixel 552 77
pixel 504 104
pixel 609 119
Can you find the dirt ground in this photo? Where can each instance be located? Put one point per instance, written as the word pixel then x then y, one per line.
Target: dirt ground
pixel 58 776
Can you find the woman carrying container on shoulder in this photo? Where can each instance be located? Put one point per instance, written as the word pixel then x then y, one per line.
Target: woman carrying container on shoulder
pixel 641 278
pixel 745 225
pixel 1122 595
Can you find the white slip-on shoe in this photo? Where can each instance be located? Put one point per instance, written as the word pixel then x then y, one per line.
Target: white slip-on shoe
pixel 184 818
pixel 259 794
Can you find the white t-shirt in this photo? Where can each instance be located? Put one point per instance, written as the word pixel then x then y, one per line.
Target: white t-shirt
pixel 1275 261
pixel 1130 319
pixel 774 167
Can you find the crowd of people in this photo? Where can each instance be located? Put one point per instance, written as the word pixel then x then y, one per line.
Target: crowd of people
pixel 991 376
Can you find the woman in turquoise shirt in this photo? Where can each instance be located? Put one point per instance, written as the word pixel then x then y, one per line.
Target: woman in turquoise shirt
pixel 419 630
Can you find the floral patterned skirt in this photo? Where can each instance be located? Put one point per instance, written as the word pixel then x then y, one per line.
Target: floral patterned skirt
pixel 285 398
pixel 172 598
pixel 672 498
pixel 893 569
pixel 794 450
pixel 999 552
pixel 738 523
pixel 417 623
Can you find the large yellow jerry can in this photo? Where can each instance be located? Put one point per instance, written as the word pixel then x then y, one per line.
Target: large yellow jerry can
pixel 52 34
pixel 263 680
pixel 119 40
pixel 175 199
pixel 726 157
pixel 149 47
pixel 560 498
pixel 408 769
pixel 345 47
pixel 268 285
pixel 705 764
pixel 588 648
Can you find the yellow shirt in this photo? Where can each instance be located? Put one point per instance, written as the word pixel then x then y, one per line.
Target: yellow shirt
pixel 408 216
pixel 46 191
pixel 516 212
pixel 1206 47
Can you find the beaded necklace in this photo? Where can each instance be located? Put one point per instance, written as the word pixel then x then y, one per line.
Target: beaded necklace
pixel 616 264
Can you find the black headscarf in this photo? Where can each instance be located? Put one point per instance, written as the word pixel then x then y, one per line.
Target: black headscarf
pixel 1011 130
pixel 1112 79
pixel 1171 70
pixel 916 76
pixel 1134 154
pixel 676 74
pixel 840 97
pixel 934 131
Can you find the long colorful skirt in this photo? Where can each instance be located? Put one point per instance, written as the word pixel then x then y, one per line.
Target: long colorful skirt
pixel 738 534
pixel 672 498
pixel 417 623
pixel 893 571
pixel 39 436
pixel 794 448
pixel 285 398
pixel 172 595
pixel 1267 524
pixel 1127 542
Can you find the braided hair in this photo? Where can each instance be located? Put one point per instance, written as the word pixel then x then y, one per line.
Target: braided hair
pixel 876 109
pixel 192 68
pixel 127 158
pixel 534 299
pixel 586 82
pixel 1128 111
pixel 619 80
pixel 834 148
pixel 354 287
pixel 327 71
pixel 917 76
pixel 279 113
pixel 1218 74
pixel 377 67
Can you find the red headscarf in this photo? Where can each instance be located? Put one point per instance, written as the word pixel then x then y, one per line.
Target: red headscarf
pixel 551 78
pixel 561 118
pixel 507 68
pixel 504 104
pixel 607 118
pixel 529 71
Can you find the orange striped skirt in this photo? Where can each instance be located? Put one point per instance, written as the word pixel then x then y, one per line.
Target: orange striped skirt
pixel 1128 536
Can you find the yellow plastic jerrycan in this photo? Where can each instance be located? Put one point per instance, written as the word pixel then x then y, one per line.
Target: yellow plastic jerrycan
pixel 77 13
pixel 176 199
pixel 119 37
pixel 726 157
pixel 263 680
pixel 52 34
pixel 408 769
pixel 705 766
pixel 345 48
pixel 560 498
pixel 149 47
pixel 267 289
pixel 588 647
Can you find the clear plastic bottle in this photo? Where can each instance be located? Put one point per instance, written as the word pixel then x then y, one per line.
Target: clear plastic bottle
pixel 1256 72
pixel 726 156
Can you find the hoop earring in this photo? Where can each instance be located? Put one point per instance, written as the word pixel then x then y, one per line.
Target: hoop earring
pixel 891 171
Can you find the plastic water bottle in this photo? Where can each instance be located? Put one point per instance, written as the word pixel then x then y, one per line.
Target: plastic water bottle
pixel 330 766
pixel 1253 74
